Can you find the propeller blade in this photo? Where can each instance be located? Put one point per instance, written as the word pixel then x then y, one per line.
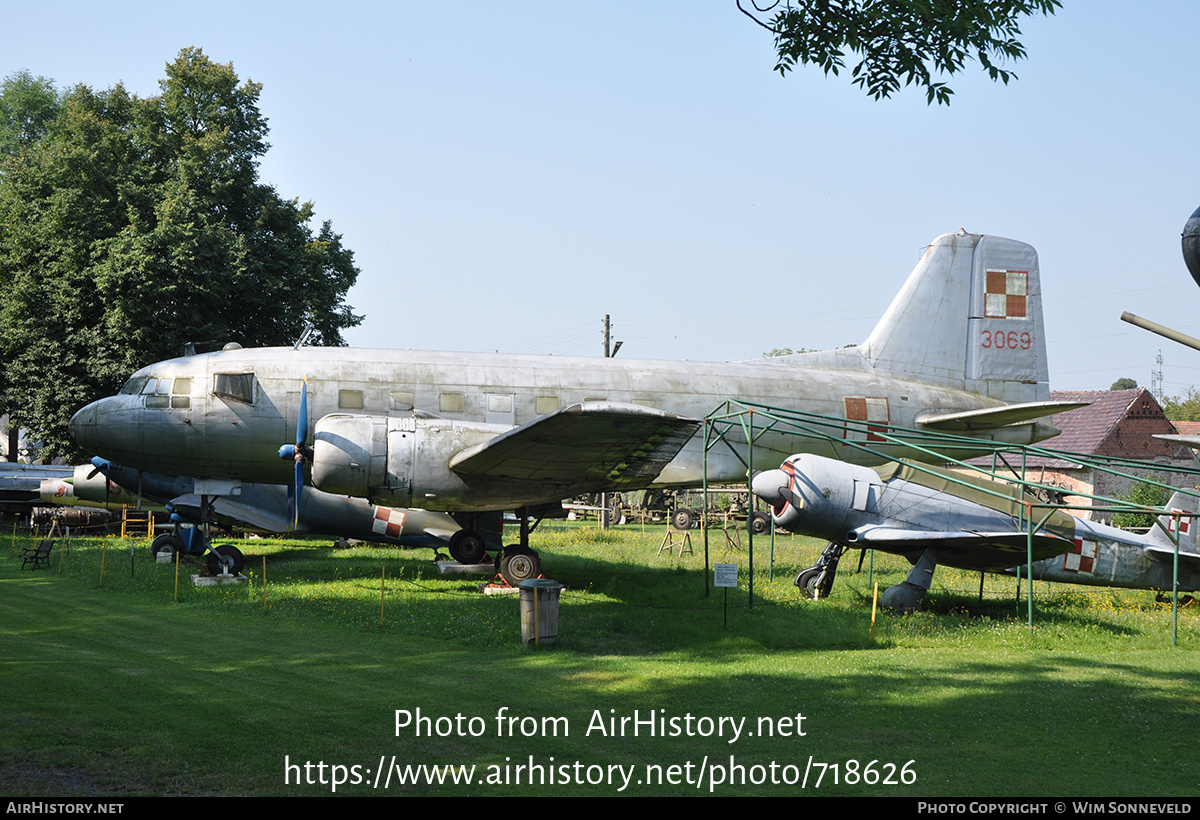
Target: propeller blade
pixel 298 451
pixel 302 419
pixel 99 465
pixel 299 488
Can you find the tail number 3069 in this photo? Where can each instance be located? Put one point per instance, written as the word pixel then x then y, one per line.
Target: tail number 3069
pixel 1012 340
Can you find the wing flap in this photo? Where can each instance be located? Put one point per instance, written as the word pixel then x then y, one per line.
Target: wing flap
pixel 605 445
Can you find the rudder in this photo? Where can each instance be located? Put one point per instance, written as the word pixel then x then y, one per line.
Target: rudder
pixel 1187 529
pixel 969 317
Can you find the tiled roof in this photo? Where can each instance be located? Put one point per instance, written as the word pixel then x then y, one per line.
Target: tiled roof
pixel 1115 422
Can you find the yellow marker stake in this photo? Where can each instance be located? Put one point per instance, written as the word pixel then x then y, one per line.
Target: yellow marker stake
pixel 874 601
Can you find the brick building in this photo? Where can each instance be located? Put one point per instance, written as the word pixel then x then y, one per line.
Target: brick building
pixel 1119 423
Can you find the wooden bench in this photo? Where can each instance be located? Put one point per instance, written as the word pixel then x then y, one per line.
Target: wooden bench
pixel 39 555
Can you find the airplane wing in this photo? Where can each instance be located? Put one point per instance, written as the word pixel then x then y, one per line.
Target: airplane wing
pixel 597 444
pixel 989 418
pixel 964 549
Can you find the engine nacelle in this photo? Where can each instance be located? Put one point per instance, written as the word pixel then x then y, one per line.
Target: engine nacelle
pixel 817 496
pixel 402 462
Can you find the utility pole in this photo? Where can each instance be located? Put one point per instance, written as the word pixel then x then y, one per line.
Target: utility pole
pixel 1156 379
pixel 609 352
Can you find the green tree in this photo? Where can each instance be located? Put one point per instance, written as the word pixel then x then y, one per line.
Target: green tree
pixel 27 106
pixel 1143 494
pixel 131 227
pixel 1182 408
pixel 905 40
pixel 1124 383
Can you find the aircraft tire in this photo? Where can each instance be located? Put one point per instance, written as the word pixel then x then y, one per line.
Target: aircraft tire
pixel 168 542
pixel 683 519
pixel 467 547
pixel 759 523
pixel 225 551
pixel 807 581
pixel 516 564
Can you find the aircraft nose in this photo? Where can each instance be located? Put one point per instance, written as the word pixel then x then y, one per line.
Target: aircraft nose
pixel 83 426
pixel 769 486
pixel 110 427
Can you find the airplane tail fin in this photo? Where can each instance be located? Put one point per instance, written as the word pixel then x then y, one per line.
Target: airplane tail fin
pixel 1186 529
pixel 969 317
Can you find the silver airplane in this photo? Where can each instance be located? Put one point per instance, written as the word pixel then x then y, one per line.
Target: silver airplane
pixel 933 517
pixel 961 349
pixel 263 507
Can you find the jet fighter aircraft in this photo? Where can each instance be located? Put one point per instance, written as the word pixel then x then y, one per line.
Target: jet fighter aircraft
pixel 933 517
pixel 961 349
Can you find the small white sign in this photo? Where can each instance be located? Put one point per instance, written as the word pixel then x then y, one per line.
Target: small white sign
pixel 725 575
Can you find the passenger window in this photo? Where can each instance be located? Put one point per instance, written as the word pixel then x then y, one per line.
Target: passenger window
pixel 452 402
pixel 350 399
pixel 546 405
pixel 403 400
pixel 235 386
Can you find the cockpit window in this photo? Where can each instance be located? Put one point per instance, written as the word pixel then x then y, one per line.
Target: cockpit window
pixel 149 387
pixel 235 386
pixel 134 386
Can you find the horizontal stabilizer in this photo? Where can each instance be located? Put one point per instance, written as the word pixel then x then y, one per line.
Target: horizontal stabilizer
pixel 1167 556
pixel 991 418
pixel 606 445
pixel 1186 441
pixel 229 509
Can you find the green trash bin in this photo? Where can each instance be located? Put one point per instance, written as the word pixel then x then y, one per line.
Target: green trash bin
pixel 539 610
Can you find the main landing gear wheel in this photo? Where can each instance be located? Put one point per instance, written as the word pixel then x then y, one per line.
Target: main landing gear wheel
pixel 467 547
pixel 516 564
pixel 166 544
pixel 807 581
pixel 225 557
pixel 683 519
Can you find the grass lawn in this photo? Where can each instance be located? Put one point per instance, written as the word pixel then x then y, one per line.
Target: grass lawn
pixel 114 688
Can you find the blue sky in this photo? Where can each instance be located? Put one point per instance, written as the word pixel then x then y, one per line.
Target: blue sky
pixel 508 173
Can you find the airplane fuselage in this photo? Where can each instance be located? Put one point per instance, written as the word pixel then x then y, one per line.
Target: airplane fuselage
pixel 224 415
pixel 477 431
